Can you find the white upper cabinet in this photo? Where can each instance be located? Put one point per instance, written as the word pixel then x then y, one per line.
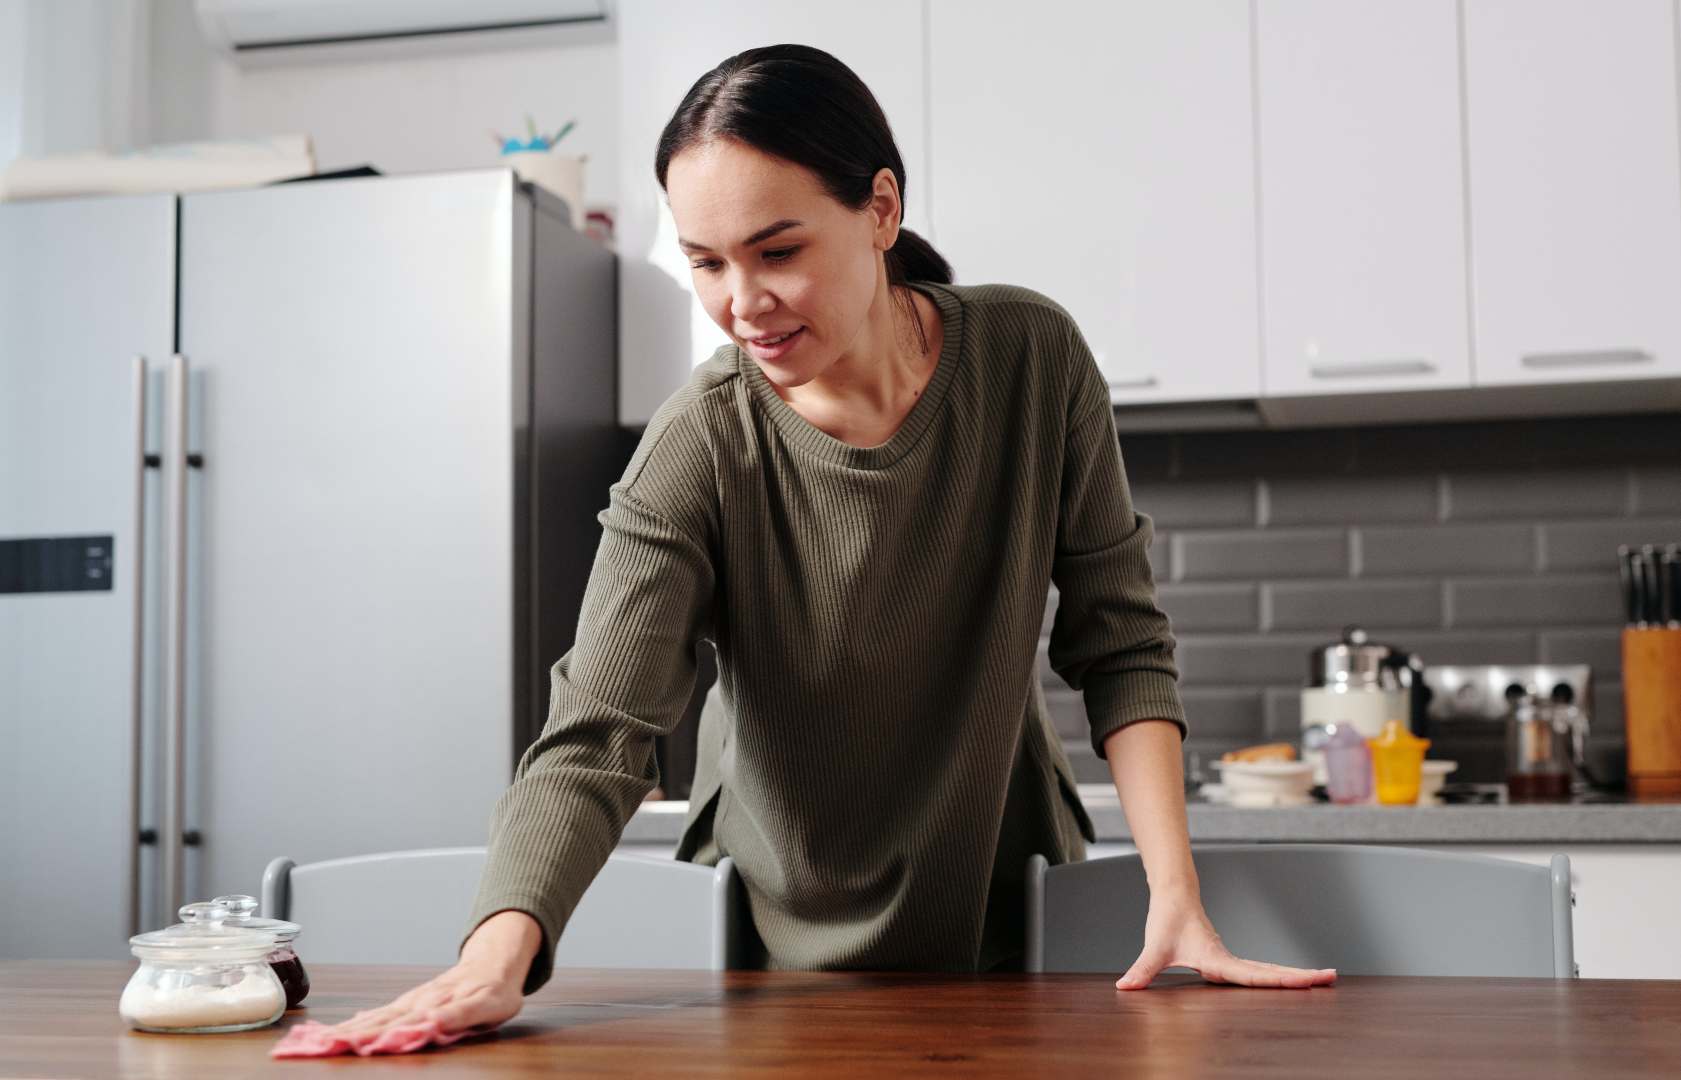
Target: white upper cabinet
pixel 1575 189
pixel 1102 153
pixel 1362 196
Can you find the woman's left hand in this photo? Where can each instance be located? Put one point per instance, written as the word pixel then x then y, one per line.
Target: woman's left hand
pixel 1177 933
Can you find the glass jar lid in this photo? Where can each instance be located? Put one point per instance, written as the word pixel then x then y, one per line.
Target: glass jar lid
pixel 203 934
pixel 242 912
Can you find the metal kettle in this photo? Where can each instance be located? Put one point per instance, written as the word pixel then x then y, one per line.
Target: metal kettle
pixel 1358 663
pixel 1358 683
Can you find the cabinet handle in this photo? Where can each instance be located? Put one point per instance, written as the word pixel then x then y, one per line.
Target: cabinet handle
pixel 1353 368
pixel 1131 384
pixel 175 631
pixel 137 581
pixel 1579 359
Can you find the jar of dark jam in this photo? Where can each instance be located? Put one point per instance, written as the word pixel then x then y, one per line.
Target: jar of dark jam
pixel 284 959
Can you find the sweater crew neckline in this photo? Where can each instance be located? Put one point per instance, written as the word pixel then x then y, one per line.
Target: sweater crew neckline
pixel 813 439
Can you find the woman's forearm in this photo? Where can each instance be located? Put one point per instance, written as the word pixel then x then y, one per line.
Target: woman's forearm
pixel 505 944
pixel 1144 760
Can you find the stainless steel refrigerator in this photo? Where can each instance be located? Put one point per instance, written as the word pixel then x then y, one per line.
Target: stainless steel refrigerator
pixel 298 489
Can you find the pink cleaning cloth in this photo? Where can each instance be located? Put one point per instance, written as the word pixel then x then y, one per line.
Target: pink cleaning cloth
pixel 313 1039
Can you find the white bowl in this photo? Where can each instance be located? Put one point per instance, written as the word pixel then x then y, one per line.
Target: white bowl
pixel 1266 783
pixel 1430 782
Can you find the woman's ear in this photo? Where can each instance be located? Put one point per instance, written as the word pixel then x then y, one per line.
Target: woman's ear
pixel 885 204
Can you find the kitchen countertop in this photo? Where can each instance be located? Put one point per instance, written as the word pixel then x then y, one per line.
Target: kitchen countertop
pixel 1605 820
pixel 59 1019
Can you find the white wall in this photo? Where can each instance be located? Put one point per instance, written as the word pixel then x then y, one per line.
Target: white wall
pixel 14 19
pixel 69 75
pixel 401 107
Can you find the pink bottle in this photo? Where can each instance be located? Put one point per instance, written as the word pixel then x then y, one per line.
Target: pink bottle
pixel 1348 766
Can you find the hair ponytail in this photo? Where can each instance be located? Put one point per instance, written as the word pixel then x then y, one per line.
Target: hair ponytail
pixel 911 258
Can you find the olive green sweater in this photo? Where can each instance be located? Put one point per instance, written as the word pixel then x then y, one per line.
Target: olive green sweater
pixel 887 763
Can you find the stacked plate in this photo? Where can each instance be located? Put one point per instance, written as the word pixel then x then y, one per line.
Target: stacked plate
pixel 1262 783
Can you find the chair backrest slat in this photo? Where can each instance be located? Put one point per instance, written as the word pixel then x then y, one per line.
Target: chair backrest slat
pixel 1362 909
pixel 411 907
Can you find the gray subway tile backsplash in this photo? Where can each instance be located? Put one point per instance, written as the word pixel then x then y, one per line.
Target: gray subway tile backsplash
pixel 1592 545
pixel 1206 606
pixel 1579 599
pixel 1431 551
pixel 1244 659
pixel 1467 543
pixel 1538 494
pixel 1253 554
pixel 1193 503
pixel 1314 605
pixel 1295 500
pixel 1599 648
pixel 1658 490
pixel 1224 712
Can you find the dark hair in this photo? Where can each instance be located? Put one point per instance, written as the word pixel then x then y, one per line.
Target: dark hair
pixel 802 105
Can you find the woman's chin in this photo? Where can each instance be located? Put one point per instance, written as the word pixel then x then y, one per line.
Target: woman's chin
pixel 782 376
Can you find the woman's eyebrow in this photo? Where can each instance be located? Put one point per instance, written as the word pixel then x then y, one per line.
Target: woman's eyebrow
pixel 763 234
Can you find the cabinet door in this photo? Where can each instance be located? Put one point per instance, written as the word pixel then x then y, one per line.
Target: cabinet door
pixel 1575 189
pixel 1362 196
pixel 1102 154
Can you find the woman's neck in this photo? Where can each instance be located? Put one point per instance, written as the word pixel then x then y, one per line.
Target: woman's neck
pixel 863 395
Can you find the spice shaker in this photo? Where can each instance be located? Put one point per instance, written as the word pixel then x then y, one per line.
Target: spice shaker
pixel 202 976
pixel 284 959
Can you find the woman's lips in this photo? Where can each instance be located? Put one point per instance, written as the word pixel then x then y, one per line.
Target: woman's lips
pixel 773 352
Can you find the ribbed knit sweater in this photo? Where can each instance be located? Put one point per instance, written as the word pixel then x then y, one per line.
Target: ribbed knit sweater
pixel 885 762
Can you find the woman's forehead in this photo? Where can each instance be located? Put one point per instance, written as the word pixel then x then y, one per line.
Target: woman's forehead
pixel 728 185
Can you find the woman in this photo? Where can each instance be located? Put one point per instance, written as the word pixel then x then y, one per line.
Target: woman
pixel 862 501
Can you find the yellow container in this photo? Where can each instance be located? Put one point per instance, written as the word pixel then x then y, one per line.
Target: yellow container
pixel 1397 764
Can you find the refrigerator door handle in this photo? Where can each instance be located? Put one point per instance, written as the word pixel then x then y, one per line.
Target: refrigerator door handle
pixel 137 577
pixel 171 850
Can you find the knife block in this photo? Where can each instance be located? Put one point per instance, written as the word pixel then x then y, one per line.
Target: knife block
pixel 1652 709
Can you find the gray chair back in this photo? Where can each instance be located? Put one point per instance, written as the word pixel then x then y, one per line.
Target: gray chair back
pixel 1362 909
pixel 411 907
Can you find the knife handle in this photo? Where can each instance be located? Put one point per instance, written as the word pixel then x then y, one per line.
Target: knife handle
pixel 1625 578
pixel 1671 581
pixel 1637 579
pixel 1653 558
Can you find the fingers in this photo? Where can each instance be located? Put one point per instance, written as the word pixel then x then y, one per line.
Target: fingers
pixel 451 1002
pixel 1148 965
pixel 409 1008
pixel 1238 972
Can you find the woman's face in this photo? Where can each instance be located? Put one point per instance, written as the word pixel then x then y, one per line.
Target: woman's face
pixel 758 276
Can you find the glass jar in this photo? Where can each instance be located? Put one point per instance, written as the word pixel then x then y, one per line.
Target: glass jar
pixel 202 976
pixel 1540 747
pixel 284 959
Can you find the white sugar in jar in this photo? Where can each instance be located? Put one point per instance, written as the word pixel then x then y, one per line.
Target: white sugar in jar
pixel 200 977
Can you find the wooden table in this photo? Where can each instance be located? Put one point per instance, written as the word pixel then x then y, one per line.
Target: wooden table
pixel 59 1019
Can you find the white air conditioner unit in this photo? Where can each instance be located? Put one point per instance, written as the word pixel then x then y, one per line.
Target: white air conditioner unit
pixel 270 29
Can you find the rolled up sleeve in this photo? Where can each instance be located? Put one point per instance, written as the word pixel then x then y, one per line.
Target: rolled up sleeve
pixel 1110 640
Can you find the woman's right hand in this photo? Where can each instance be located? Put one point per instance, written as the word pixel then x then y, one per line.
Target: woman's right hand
pixel 483 990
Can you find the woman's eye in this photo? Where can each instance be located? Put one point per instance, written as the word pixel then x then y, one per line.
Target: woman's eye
pixel 778 256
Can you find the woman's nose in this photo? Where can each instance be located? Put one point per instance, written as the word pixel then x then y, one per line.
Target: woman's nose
pixel 748 300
